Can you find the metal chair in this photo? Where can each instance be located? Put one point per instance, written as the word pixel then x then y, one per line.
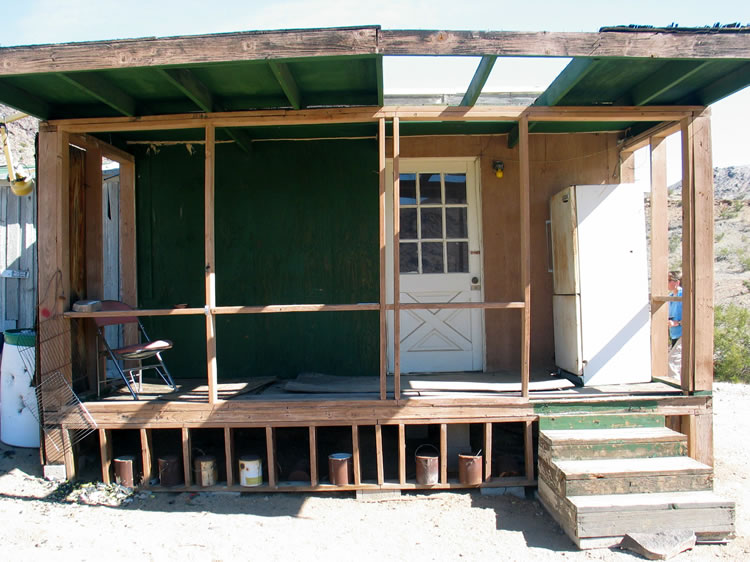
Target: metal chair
pixel 138 352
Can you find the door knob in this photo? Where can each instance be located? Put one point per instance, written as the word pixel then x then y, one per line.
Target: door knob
pixel 474 280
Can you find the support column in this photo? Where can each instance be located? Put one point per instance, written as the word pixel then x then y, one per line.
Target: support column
pixel 382 229
pixel 396 262
pixel 523 151
pixel 211 365
pixel 687 373
pixel 659 258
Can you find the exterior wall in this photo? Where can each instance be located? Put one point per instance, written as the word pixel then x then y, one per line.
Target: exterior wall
pixel 556 161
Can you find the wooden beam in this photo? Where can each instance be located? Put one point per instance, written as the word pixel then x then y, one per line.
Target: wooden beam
pixel 379 453
pixel 528 447
pixel 229 455
pixel 87 142
pixel 355 456
pixel 671 74
pixel 187 457
pixel 618 44
pixel 401 453
pixel 382 263
pixel 190 86
pixel 313 456
pixel 523 152
pixel 703 279
pixel 487 451
pixel 24 101
pixel 396 261
pixel 105 452
pixel 687 374
pixel 379 79
pixel 287 82
pixel 641 140
pixel 627 166
pixel 147 455
pixel 443 453
pixel 659 257
pixel 186 50
pixel 210 265
pixel 728 84
pixel 94 224
pixel 271 456
pixel 700 433
pixel 243 139
pixel 101 89
pixel 478 81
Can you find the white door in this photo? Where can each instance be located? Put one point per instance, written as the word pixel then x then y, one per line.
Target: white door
pixel 440 261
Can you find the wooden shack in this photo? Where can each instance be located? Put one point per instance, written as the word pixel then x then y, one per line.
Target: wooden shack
pixel 270 225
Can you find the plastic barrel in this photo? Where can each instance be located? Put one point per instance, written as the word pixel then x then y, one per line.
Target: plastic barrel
pixel 18 406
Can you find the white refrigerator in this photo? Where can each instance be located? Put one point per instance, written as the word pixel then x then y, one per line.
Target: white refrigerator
pixel 601 300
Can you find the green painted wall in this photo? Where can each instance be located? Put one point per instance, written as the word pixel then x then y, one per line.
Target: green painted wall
pixel 296 222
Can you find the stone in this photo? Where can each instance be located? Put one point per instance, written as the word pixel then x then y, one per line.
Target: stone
pixel 55 472
pixel 659 546
pixel 378 495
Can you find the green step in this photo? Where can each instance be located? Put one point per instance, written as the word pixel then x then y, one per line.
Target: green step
pixel 629 442
pixel 594 421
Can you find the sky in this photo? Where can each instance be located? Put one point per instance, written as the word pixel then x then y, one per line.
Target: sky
pixel 28 22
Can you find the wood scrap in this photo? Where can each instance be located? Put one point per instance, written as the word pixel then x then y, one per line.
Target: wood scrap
pixel 225 390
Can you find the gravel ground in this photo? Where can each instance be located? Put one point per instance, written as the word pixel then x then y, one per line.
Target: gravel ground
pixel 40 520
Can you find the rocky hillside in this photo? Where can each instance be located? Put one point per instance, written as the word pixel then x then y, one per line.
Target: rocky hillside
pixel 22 134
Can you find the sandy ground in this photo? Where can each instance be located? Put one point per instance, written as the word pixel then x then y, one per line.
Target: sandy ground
pixel 36 525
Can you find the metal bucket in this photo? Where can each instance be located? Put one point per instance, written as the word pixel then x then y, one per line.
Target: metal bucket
pixel 125 470
pixel 427 465
pixel 206 472
pixel 251 471
pixel 169 470
pixel 470 469
pixel 340 470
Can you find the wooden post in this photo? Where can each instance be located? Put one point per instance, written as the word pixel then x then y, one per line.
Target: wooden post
pixel 147 455
pixel 703 234
pixel 396 262
pixel 105 451
pixel 528 447
pixel 128 269
pixel 688 251
pixel 383 295
pixel 270 455
pixel 187 456
pixel 313 457
pixel 627 166
pixel 210 265
pixel 487 451
pixel 700 432
pixel 94 252
pixel 401 453
pixel 379 453
pixel 229 454
pixel 523 151
pixel 443 454
pixel 355 455
pixel 659 258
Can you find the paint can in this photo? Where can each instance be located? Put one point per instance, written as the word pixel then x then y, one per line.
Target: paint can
pixel 206 473
pixel 470 469
pixel 251 471
pixel 169 470
pixel 125 470
pixel 340 469
pixel 427 465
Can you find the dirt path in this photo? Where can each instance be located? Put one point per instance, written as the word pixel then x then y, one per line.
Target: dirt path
pixel 437 526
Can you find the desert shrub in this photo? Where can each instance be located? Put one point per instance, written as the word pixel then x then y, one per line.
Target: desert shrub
pixel 722 254
pixel 719 237
pixel 744 260
pixel 732 343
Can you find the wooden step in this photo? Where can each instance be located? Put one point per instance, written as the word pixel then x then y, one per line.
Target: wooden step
pixel 630 442
pixel 599 421
pixel 602 521
pixel 625 476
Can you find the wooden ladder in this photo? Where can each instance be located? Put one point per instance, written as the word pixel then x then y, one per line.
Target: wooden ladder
pixel 601 477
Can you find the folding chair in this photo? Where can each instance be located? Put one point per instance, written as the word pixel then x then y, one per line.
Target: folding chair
pixel 138 352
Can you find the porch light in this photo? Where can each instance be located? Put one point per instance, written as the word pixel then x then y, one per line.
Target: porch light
pixel 498 166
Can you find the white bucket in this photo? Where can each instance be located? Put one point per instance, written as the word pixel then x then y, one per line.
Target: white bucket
pixel 18 406
pixel 251 471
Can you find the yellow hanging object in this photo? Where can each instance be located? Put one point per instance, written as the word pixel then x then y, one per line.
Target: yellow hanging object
pixel 22 185
pixel 21 182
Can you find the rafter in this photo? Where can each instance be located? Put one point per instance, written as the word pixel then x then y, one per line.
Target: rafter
pixel 668 76
pixel 726 85
pixel 24 101
pixel 287 82
pixel 571 75
pixel 478 81
pixel 102 90
pixel 185 81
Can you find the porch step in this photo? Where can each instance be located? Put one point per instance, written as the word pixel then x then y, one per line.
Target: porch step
pixel 606 421
pixel 625 476
pixel 629 442
pixel 602 521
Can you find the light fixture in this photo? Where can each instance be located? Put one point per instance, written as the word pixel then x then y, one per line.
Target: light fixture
pixel 499 167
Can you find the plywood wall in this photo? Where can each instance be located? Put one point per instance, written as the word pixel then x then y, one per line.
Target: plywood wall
pixel 556 162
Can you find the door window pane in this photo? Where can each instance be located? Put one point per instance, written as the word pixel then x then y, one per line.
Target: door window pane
pixel 432 257
pixel 455 188
pixel 458 257
pixel 429 189
pixel 408 258
pixel 455 222
pixel 432 222
pixel 408 191
pixel 409 224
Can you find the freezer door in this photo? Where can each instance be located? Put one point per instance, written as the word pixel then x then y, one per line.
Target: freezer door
pixel 566 310
pixel 563 229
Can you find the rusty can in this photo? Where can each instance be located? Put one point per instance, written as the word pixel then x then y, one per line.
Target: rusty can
pixel 206 472
pixel 125 470
pixel 470 469
pixel 169 470
pixel 427 465
pixel 340 469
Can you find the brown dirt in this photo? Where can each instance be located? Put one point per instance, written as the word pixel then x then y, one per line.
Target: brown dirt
pixel 435 526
